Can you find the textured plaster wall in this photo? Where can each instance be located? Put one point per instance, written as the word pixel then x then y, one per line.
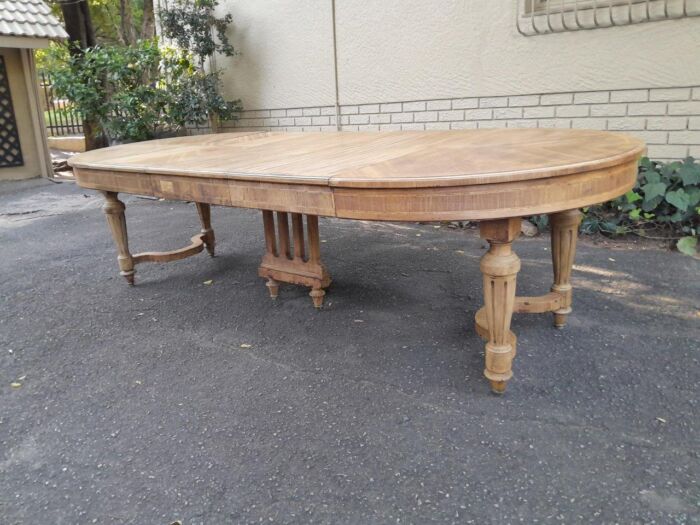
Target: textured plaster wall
pixel 18 88
pixel 413 49
pixel 402 50
pixel 286 55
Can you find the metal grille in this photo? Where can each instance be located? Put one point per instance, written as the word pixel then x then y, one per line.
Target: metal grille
pixel 10 150
pixel 540 17
pixel 60 117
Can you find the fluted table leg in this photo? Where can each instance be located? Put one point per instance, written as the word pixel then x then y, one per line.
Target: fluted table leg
pixel 564 236
pixel 114 211
pixel 499 266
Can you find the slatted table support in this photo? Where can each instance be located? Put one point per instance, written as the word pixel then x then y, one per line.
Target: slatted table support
pixel 295 262
pixel 116 218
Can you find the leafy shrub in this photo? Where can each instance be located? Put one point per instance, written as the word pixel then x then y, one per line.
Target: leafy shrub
pixel 665 203
pixel 192 25
pixel 139 92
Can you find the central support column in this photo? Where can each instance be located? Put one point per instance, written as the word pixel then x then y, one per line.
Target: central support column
pixel 293 260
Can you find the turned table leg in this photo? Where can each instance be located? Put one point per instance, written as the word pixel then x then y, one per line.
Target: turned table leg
pixel 499 266
pixel 294 259
pixel 317 292
pixel 564 236
pixel 204 211
pixel 114 211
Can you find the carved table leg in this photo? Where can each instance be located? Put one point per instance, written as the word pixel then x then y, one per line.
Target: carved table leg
pixel 499 266
pixel 317 292
pixel 204 211
pixel 300 265
pixel 114 210
pixel 564 236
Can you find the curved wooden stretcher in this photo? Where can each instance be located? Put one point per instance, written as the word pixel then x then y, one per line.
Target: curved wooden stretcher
pixel 492 176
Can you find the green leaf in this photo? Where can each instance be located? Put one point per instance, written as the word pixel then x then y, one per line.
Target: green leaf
pixel 689 174
pixel 608 226
pixel 678 198
pixel 653 189
pixel 632 196
pixel 687 245
pixel 669 169
pixel 649 216
pixel 693 195
pixel 676 217
pixel 652 177
pixel 651 204
pixel 634 214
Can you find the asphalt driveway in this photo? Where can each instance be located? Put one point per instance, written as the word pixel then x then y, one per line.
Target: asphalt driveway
pixel 209 403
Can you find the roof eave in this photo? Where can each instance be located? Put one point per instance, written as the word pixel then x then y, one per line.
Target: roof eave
pixel 25 42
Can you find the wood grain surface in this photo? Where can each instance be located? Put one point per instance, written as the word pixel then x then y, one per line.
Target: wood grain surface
pixel 401 176
pixel 492 176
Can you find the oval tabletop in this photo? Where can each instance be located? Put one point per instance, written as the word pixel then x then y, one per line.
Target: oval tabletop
pixel 355 166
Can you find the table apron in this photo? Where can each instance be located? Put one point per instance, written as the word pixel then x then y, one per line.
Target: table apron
pixel 472 202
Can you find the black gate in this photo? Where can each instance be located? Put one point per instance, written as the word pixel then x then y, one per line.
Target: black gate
pixel 60 117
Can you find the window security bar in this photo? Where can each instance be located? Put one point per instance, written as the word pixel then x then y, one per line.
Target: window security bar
pixel 541 17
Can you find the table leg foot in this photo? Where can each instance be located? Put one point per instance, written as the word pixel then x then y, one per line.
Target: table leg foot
pixel 498 387
pixel 560 319
pixel 317 295
pixel 565 226
pixel 499 266
pixel 273 287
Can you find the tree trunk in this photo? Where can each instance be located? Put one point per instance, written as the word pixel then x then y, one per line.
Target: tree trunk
pixel 148 28
pixel 81 35
pixel 127 28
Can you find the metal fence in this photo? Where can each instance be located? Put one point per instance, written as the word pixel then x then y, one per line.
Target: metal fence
pixel 61 119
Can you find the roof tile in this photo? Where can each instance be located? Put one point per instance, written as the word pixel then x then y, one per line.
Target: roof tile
pixel 29 18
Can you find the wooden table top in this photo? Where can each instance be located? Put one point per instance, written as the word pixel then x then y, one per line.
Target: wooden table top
pixel 400 159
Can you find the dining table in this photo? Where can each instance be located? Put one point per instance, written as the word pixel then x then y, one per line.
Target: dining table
pixel 495 177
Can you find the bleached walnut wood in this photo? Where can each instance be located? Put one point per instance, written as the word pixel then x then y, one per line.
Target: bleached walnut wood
pixel 204 211
pixel 564 236
pixel 499 266
pixel 196 245
pixel 114 210
pixel 284 263
pixel 493 176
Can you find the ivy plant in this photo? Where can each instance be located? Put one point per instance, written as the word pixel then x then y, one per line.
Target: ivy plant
pixel 664 203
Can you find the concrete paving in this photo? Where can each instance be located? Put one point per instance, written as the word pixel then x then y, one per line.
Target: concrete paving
pixel 177 400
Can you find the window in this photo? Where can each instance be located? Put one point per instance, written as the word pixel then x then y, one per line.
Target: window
pixel 539 17
pixel 557 6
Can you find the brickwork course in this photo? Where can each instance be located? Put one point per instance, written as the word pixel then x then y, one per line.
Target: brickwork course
pixel 667 119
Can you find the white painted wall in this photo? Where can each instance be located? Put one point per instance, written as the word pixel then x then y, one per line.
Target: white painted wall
pixel 286 55
pixel 402 50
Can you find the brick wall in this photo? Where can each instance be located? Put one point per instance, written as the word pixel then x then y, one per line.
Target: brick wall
pixel 667 119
